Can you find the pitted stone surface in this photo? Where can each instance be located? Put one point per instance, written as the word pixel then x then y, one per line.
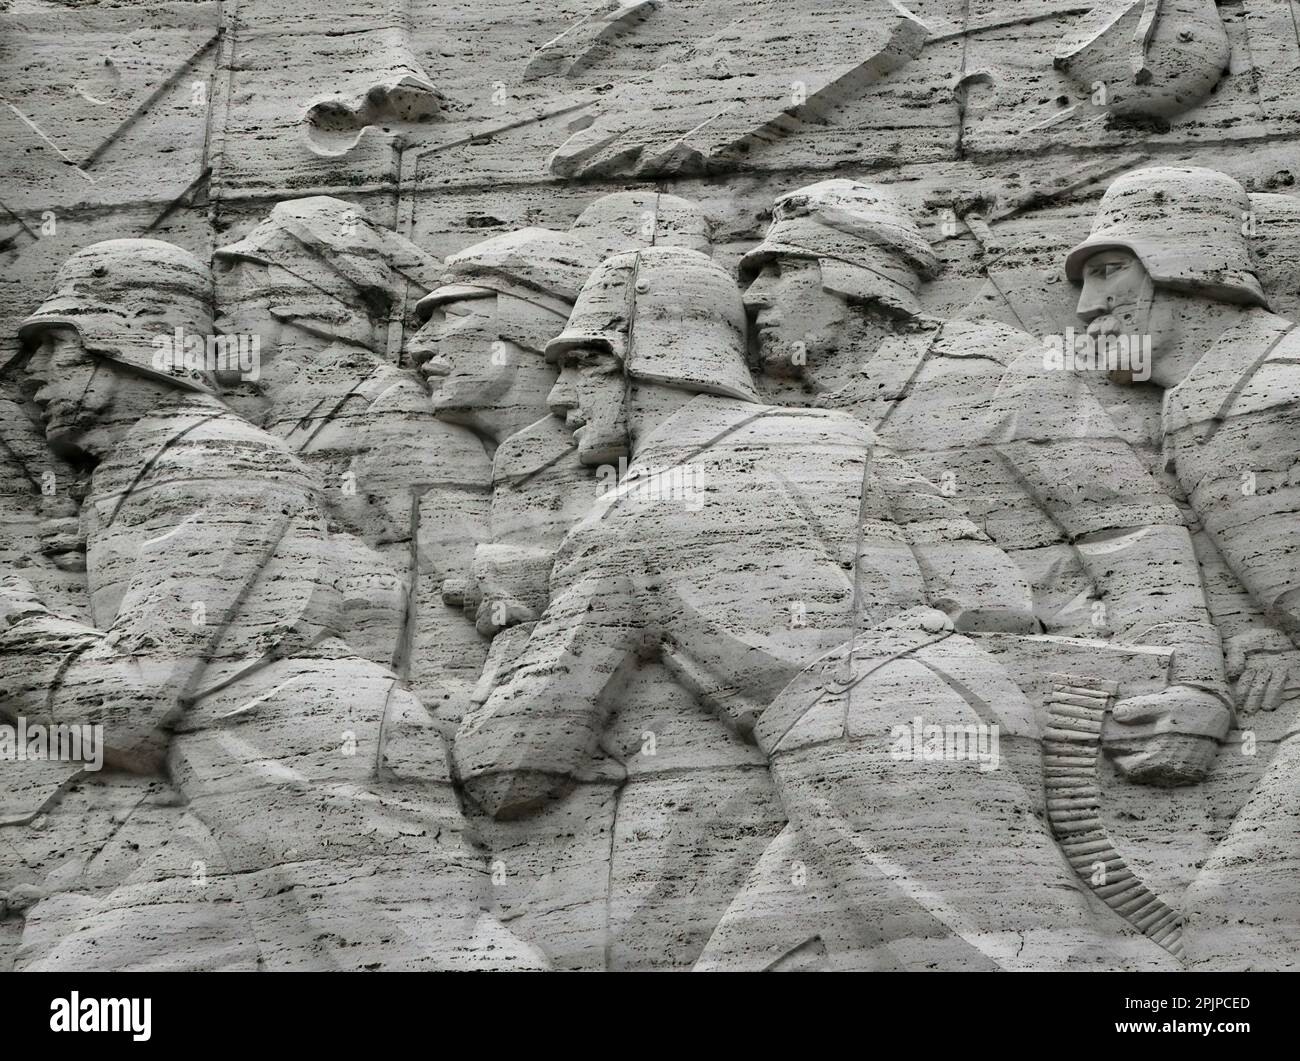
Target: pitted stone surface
pixel 599 486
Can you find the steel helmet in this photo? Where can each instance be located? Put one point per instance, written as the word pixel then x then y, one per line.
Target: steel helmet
pixel 538 265
pixel 122 296
pixel 866 243
pixel 1186 225
pixel 1274 244
pixel 671 315
pixel 353 272
pixel 626 221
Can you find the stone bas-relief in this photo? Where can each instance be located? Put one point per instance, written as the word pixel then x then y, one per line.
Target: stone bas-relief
pixel 211 577
pixel 451 550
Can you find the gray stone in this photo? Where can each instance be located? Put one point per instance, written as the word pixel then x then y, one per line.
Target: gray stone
pixel 609 486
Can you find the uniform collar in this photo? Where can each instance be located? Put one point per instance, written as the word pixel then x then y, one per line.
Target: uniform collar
pixel 1216 379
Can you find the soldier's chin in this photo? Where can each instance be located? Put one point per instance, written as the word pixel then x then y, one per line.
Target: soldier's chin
pixel 67 440
pixel 777 356
pixel 595 449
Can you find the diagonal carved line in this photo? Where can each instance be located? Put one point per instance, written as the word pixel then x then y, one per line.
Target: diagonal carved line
pixel 1244 380
pixel 63 155
pixel 819 536
pixel 523 480
pixel 21 223
pixel 505 127
pixel 151 99
pixel 919 893
pixel 1008 23
pixel 179 201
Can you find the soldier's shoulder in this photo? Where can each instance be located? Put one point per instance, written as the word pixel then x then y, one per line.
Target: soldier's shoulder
pixel 539 444
pixel 394 389
pixel 214 442
pixel 800 424
pixel 982 337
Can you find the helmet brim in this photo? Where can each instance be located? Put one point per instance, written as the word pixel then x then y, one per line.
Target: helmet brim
pixel 1074 261
pixel 569 341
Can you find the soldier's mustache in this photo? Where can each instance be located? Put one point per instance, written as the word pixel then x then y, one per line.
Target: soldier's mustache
pixel 1114 322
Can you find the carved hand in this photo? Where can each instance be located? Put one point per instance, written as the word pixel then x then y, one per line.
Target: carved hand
pixel 1166 738
pixel 1265 667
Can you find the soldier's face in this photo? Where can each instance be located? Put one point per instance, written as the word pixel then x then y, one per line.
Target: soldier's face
pixel 461 355
pixel 1117 294
pixel 794 319
pixel 590 396
pixel 1119 298
pixel 74 389
pixel 245 291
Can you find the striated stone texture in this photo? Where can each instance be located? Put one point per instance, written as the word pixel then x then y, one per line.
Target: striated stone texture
pixel 659 435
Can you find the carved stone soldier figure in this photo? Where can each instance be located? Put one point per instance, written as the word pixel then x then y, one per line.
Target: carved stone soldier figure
pixel 500 304
pixel 1167 257
pixel 744 549
pixel 324 288
pixel 488 322
pixel 832 291
pixel 833 250
pixel 214 656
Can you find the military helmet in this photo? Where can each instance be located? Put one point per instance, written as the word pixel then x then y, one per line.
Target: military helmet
pixel 866 243
pixel 625 221
pixel 538 265
pixel 336 250
pixel 1186 225
pixel 671 315
pixel 122 296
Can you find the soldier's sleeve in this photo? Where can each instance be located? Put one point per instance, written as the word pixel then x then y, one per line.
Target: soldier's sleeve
pixel 1130 536
pixel 59 671
pixel 966 575
pixel 540 725
pixel 1241 469
pixel 205 553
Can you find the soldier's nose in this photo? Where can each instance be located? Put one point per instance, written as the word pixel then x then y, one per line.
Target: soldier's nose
pixel 38 391
pixel 35 374
pixel 563 396
pixel 1093 302
pixel 432 363
pixel 758 295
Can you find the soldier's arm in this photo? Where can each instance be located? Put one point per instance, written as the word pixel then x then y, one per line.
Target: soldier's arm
pixel 55 670
pixel 1128 534
pixel 187 581
pixel 539 726
pixel 967 576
